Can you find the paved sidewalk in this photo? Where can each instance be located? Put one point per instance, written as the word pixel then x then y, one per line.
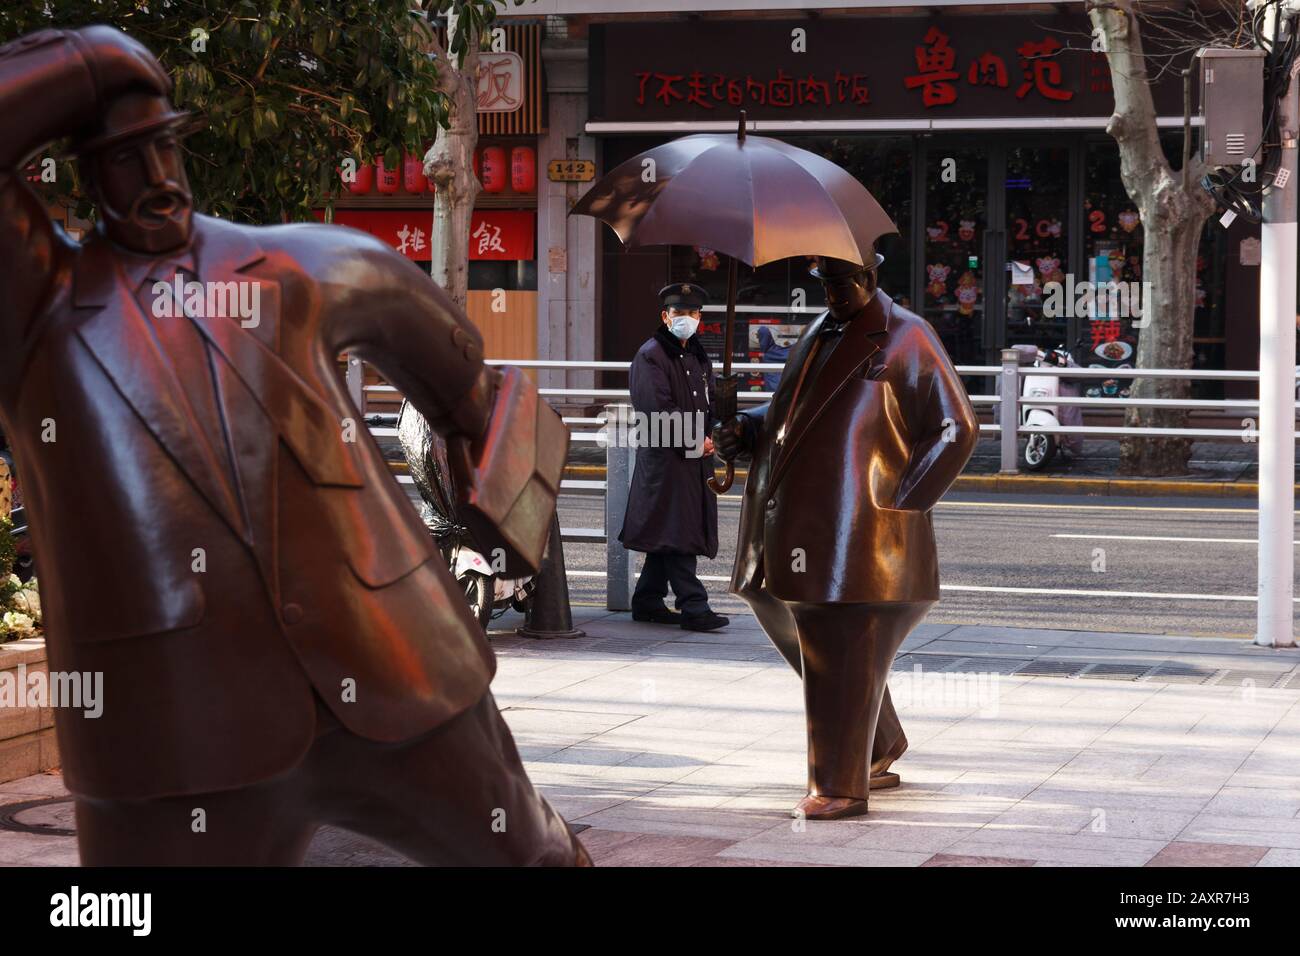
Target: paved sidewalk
pixel 1028 747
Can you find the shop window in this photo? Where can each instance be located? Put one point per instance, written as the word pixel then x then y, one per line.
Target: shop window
pixel 1113 248
pixel 953 292
pixel 511 275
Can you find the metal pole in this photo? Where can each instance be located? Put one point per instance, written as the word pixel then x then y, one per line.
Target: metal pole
pixel 356 378
pixel 620 459
pixel 1009 410
pixel 1277 340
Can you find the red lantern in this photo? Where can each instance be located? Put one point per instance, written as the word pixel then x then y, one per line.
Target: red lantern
pixel 523 170
pixel 413 180
pixel 388 179
pixel 494 169
pixel 364 181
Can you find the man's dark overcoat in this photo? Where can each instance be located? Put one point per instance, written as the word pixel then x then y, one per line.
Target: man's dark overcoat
pixel 669 509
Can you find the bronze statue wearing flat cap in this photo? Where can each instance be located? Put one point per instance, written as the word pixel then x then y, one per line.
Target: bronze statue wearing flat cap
pixel 866 430
pixel 281 646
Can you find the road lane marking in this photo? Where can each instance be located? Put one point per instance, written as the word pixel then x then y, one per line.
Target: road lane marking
pixel 947 505
pixel 1057 592
pixel 1143 537
pixel 1018 505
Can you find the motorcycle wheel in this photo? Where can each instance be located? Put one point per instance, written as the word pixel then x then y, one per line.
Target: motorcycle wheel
pixel 1039 451
pixel 478 594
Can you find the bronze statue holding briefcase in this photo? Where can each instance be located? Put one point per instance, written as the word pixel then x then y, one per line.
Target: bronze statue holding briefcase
pixel 281 646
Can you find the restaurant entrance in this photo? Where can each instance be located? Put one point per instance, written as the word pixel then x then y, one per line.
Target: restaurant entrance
pixel 995 228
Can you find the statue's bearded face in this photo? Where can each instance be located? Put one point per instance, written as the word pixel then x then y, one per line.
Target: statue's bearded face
pixel 142 192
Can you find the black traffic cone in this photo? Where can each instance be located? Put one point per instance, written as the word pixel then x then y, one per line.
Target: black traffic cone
pixel 548 614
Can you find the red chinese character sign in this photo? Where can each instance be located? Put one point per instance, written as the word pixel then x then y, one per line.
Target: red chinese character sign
pixel 502 234
pixel 934 62
pixel 1005 66
pixel 1042 72
pixel 494 234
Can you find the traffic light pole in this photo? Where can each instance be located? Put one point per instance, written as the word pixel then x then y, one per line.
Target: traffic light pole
pixel 1277 380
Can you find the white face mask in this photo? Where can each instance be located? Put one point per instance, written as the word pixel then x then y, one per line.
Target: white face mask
pixel 683 326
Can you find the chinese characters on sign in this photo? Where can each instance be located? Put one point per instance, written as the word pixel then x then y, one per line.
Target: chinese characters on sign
pixel 1041 72
pixel 718 89
pixel 494 234
pixel 1029 68
pixel 500 82
pixel 1104 330
pixel 486 238
pixel 415 243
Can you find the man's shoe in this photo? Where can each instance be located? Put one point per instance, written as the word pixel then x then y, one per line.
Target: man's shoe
pixel 660 615
pixel 704 622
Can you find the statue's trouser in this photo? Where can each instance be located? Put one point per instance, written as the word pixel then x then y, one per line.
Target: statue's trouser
pixel 457 796
pixel 843 652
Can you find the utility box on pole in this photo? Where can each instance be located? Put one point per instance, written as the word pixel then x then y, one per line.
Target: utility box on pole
pixel 1232 83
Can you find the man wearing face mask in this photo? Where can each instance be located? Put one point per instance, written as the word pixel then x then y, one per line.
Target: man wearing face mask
pixel 865 432
pixel 671 514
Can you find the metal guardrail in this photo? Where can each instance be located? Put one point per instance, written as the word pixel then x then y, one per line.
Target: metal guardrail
pixel 620 460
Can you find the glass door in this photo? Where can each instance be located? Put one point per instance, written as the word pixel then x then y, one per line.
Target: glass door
pixel 952 254
pixel 1037 202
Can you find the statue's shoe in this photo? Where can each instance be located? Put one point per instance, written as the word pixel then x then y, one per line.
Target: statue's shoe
pixel 817 807
pixel 882 778
pixel 885 780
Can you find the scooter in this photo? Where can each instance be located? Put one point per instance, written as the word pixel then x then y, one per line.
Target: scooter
pixel 488 594
pixel 1037 410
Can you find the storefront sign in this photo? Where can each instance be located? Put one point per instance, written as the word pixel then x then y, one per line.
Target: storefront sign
pixel 500 234
pixel 571 170
pixel 1015 65
pixel 500 82
pixel 494 234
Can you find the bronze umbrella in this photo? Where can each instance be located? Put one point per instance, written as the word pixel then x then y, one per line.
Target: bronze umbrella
pixel 753 198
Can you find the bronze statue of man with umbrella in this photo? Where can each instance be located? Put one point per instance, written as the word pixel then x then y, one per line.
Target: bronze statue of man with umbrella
pixel 868 427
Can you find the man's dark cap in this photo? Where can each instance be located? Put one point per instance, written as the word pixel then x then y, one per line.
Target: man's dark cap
pixel 839 268
pixel 135 115
pixel 682 295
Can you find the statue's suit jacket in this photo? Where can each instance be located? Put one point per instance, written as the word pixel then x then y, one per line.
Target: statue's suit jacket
pixel 837 503
pixel 214 583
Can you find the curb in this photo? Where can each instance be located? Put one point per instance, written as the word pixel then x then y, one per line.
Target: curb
pixel 1035 484
pixel 1027 484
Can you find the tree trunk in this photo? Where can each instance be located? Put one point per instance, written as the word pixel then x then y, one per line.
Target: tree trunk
pixel 1171 237
pixel 1173 208
pixel 449 164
